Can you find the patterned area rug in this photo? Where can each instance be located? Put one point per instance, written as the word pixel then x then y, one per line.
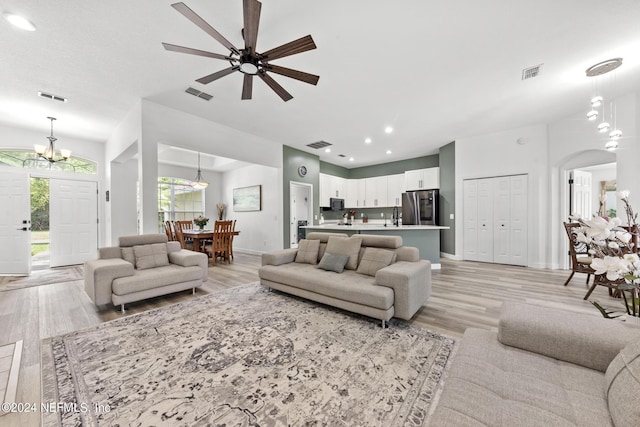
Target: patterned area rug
pixel 244 357
pixel 42 277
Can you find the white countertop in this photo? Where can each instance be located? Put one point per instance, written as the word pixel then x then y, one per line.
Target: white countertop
pixel 358 226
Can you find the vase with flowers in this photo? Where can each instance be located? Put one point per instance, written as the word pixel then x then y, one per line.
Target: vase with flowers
pixel 200 221
pixel 221 207
pixel 614 249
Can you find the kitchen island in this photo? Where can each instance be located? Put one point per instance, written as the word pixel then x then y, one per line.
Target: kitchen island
pixel 424 237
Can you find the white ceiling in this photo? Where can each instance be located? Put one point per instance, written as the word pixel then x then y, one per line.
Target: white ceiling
pixel 435 71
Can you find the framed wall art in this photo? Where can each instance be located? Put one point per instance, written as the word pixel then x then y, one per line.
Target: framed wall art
pixel 247 199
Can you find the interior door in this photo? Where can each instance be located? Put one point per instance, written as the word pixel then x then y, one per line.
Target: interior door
pixel 470 206
pixel 73 221
pixel 501 220
pixel 15 223
pixel 518 219
pixel 485 220
pixel 581 200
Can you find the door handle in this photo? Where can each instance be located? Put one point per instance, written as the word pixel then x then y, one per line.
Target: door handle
pixel 23 229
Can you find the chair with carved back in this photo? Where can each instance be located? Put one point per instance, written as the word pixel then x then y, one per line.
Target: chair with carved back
pixel 613 285
pixel 580 258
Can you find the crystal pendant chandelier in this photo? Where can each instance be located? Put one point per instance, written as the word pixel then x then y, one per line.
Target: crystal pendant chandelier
pixel 615 134
pixel 198 182
pixel 48 153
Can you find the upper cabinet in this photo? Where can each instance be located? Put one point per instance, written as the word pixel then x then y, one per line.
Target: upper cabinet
pixel 375 192
pixel 332 187
pixel 395 188
pixel 422 179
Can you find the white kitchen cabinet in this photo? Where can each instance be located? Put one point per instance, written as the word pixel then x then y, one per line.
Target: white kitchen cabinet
pixel 332 187
pixel 362 192
pixel 395 188
pixel 351 201
pixel 376 192
pixel 422 179
pixel 495 220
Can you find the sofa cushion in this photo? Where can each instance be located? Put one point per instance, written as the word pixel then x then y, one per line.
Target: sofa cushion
pixel 373 259
pixel 333 262
pixel 128 255
pixel 151 256
pixel 349 246
pixel 308 251
pixel 623 386
pixel 491 384
pixel 155 278
pixel 142 239
pixel 348 286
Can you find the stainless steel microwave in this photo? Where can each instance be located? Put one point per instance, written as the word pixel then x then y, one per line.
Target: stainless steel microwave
pixel 336 204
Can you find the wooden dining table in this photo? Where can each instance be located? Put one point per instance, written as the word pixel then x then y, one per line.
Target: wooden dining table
pixel 199 235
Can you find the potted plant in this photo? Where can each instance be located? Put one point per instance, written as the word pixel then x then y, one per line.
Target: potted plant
pixel 200 221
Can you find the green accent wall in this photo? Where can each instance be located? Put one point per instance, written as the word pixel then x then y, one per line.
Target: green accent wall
pixel 448 197
pixel 393 168
pixel 335 170
pixel 292 159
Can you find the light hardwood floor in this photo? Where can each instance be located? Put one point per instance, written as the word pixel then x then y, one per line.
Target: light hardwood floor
pixel 465 294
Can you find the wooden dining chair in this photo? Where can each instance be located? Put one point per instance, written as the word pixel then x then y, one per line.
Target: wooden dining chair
pixel 580 259
pixel 169 230
pixel 180 237
pixel 220 247
pixel 233 230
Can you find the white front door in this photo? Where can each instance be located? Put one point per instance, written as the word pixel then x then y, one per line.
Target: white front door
pixel 15 223
pixel 581 203
pixel 73 221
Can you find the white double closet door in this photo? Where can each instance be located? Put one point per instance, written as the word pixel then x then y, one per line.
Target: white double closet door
pixel 495 219
pixel 73 218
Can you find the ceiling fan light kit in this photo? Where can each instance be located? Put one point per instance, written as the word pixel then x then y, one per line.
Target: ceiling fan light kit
pixel 248 61
pixel 597 101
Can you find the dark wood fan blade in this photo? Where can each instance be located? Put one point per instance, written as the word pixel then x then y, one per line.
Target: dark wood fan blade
pixel 196 19
pixel 251 11
pixel 247 86
pixel 297 46
pixel 312 79
pixel 286 96
pixel 182 49
pixel 215 76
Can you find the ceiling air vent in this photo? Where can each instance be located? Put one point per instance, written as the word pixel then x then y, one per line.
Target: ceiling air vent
pixel 51 97
pixel 531 72
pixel 319 144
pixel 199 94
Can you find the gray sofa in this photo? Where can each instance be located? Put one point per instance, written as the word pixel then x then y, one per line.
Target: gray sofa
pixel 544 367
pixel 382 278
pixel 142 267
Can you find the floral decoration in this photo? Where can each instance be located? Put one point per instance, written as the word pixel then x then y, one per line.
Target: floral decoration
pixel 200 221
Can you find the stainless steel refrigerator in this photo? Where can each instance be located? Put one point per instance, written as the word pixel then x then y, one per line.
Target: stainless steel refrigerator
pixel 420 207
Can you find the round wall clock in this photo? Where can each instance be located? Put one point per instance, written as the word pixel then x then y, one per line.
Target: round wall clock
pixel 302 171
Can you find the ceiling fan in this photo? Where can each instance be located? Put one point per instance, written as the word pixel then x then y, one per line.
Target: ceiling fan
pixel 248 61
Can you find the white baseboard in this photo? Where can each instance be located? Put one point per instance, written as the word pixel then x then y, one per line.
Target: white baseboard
pixel 436 266
pixel 450 256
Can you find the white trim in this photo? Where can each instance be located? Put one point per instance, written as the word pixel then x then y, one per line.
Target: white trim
pixel 437 266
pixel 450 256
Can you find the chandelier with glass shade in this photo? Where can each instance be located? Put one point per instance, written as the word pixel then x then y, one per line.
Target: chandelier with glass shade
pixel 598 102
pixel 48 153
pixel 198 182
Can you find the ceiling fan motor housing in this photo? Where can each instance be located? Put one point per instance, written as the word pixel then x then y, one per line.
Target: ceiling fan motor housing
pixel 249 64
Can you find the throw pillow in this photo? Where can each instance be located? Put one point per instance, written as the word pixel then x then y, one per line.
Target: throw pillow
pixel 151 256
pixel 345 246
pixel 308 251
pixel 374 259
pixel 333 262
pixel 623 385
pixel 127 255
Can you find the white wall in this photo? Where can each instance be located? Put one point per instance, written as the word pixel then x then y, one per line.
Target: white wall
pixel 500 154
pixel 260 231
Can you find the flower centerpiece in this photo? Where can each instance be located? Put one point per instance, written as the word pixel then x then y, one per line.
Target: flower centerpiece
pixel 221 207
pixel 614 251
pixel 349 216
pixel 200 221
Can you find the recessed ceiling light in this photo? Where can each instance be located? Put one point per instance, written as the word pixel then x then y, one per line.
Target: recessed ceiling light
pixel 327 150
pixel 388 151
pixel 351 159
pixel 19 21
pixel 388 129
pixel 367 141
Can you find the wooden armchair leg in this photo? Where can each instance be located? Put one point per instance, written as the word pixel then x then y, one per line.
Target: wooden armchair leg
pixel 591 290
pixel 569 279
